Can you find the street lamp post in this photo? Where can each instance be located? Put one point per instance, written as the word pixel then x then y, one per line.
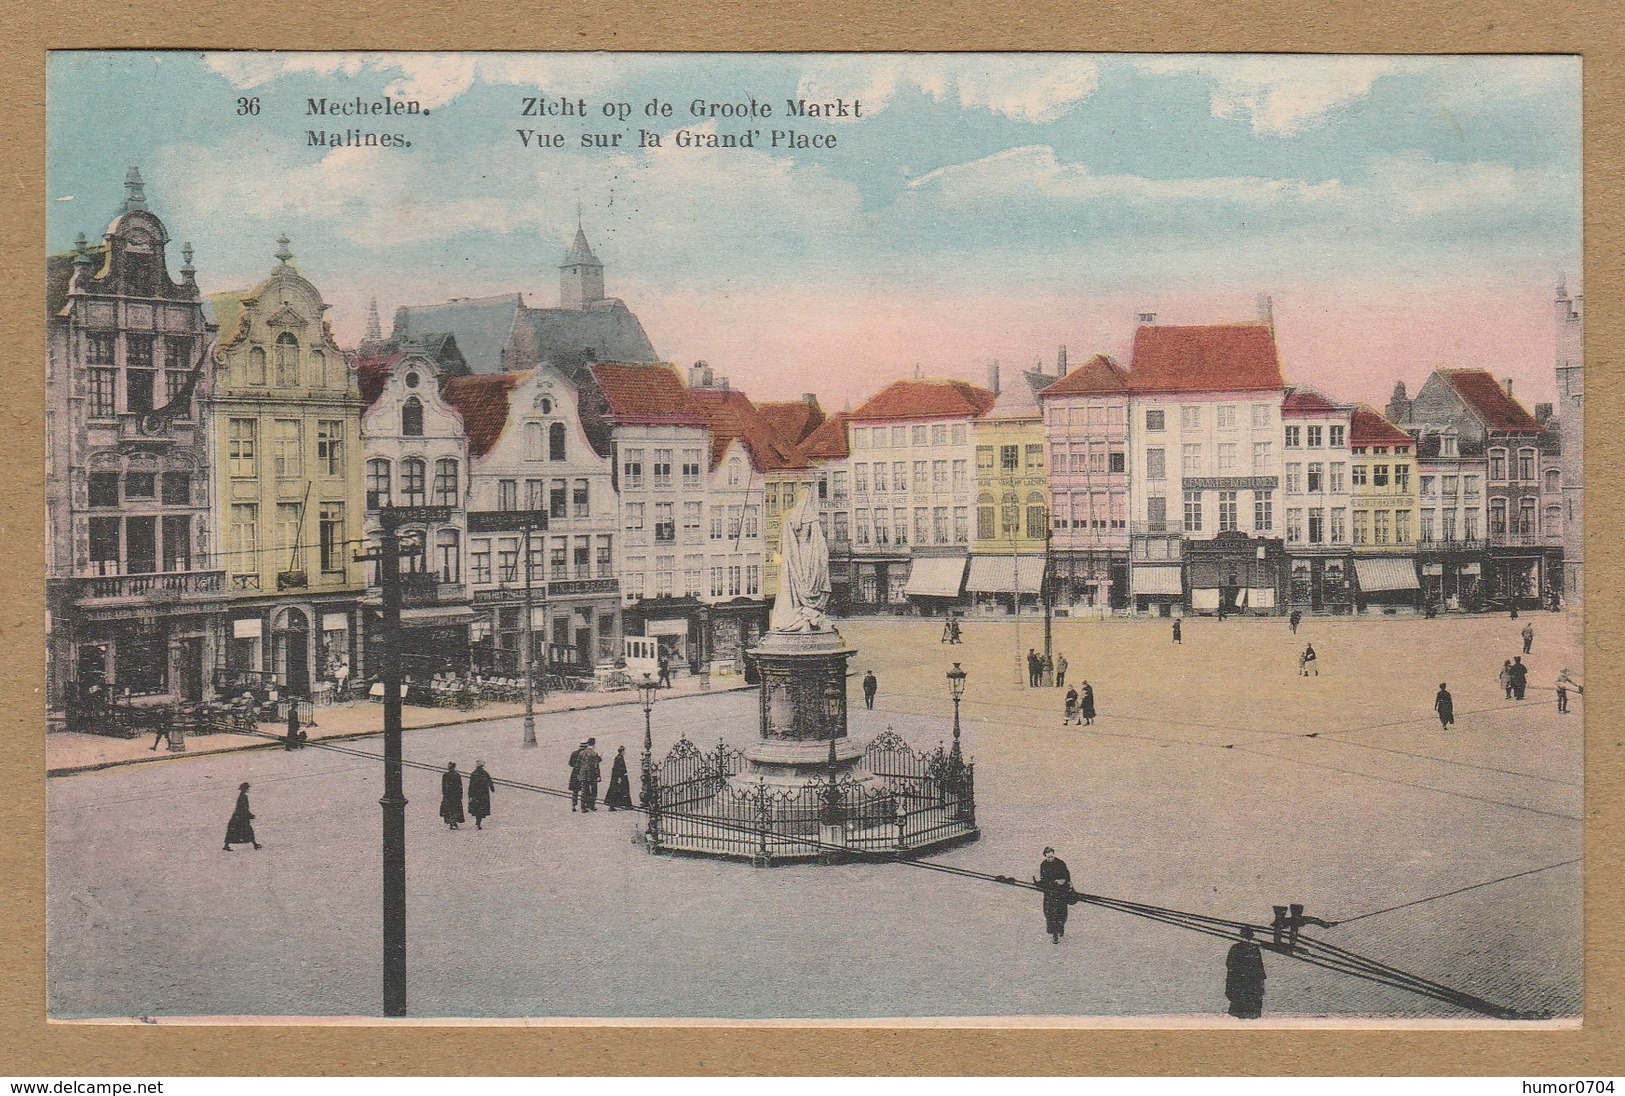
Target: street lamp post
pixel 647 688
pixel 530 648
pixel 956 759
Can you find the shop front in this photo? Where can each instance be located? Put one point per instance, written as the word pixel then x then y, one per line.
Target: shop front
pixel 1158 588
pixel 879 585
pixel 1451 583
pixel 1387 585
pixel 934 584
pixel 1319 584
pixel 998 584
pixel 1235 573
pixel 1089 583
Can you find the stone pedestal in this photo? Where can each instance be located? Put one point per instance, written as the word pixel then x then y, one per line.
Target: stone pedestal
pixel 803 709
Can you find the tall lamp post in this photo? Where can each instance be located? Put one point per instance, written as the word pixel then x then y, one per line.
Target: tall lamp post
pixel 647 688
pixel 956 759
pixel 530 645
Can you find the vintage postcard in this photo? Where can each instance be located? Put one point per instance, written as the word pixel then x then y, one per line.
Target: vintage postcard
pixel 1018 539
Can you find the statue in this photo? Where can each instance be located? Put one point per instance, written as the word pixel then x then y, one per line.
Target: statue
pixel 803 571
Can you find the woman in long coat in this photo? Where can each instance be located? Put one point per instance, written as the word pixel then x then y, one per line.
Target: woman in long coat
pixel 480 786
pixel 1086 704
pixel 1056 882
pixel 240 830
pixel 619 796
pixel 451 795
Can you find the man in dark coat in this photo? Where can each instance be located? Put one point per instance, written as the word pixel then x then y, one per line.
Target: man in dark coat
pixel 665 672
pixel 619 796
pixel 1528 637
pixel 1060 671
pixel 240 830
pixel 295 738
pixel 1445 705
pixel 1056 882
pixel 1070 711
pixel 1086 704
pixel 575 776
pixel 480 787
pixel 1178 637
pixel 1520 677
pixel 870 685
pixel 587 774
pixel 1294 620
pixel 1244 978
pixel 451 795
pixel 1033 668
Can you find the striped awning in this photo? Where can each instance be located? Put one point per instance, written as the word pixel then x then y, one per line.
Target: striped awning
pixel 935 576
pixel 1377 575
pixel 1005 574
pixel 1161 581
pixel 437 616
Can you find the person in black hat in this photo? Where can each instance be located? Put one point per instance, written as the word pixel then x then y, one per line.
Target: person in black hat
pixel 1244 978
pixel 451 795
pixel 240 830
pixel 1056 882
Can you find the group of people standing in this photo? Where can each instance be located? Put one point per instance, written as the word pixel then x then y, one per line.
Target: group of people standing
pixel 586 767
pixel 480 787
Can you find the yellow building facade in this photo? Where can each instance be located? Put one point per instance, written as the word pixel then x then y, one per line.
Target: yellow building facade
pixel 1010 517
pixel 284 412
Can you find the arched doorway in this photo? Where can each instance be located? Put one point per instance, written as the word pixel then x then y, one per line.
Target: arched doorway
pixel 290 650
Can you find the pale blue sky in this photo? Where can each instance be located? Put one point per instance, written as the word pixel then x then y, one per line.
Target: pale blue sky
pixel 1041 198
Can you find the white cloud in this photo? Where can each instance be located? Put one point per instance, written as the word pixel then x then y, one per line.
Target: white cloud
pixel 1279 95
pixel 1023 88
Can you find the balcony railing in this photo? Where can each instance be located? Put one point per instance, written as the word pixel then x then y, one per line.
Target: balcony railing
pixel 1511 539
pixel 420 589
pixel 159 587
pixel 1453 544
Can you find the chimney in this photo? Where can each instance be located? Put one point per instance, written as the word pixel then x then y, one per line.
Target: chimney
pixel 1508 382
pixel 1266 311
pixel 696 375
pixel 722 383
pixel 810 399
pixel 1543 413
pixel 1060 361
pixel 993 378
pixel 1145 318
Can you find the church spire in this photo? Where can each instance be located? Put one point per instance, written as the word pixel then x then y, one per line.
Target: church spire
pixel 375 331
pixel 135 194
pixel 581 275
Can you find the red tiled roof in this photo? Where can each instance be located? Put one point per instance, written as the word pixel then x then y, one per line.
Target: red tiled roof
pixel 1370 428
pixel 1479 389
pixel 1099 376
pixel 483 401
pixel 645 395
pixel 1301 401
pixel 829 441
pixel 926 399
pixel 373 373
pixel 733 417
pixel 1211 358
pixel 793 419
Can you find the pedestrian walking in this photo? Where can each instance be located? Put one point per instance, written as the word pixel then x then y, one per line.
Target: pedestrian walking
pixel 619 796
pixel 1060 671
pixel 165 729
pixel 1034 668
pixel 1294 620
pixel 1445 705
pixel 665 673
pixel 1056 882
pixel 240 829
pixel 1244 978
pixel 1564 684
pixel 451 796
pixel 954 633
pixel 1505 677
pixel 587 774
pixel 947 631
pixel 295 738
pixel 1520 677
pixel 1086 705
pixel 1307 662
pixel 480 787
pixel 870 684
pixel 1528 637
pixel 575 776
pixel 1178 638
pixel 1071 709
pixel 1514 610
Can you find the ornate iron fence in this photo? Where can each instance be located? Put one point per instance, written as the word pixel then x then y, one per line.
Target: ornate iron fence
pixel 899 802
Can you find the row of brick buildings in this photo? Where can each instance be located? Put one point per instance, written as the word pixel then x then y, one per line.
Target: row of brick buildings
pixel 217 462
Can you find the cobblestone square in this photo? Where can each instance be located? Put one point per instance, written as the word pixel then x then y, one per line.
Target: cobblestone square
pixel 1215 781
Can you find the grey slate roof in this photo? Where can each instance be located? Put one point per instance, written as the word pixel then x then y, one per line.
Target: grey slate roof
pixel 482 326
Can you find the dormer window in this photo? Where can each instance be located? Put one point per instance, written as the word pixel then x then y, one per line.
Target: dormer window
pixel 287 361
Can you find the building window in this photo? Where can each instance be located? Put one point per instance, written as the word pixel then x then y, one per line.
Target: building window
pixel 1035 459
pixel 1450 524
pixel 1498 517
pixel 842 527
pixel 1379 475
pixel 1037 518
pixel 413 476
pixel 378 488
pixel 921 485
pixel 665 523
pixel 1359 478
pixel 1193 511
pixel 919 435
pixel 899 437
pixel 318 371
pixel 1425 526
pixel 558 558
pixel 606 557
pixel 1362 527
pixel 177 488
pixel 882 526
pixel 103 397
pixel 256 365
pixel 984 461
pixel 177 544
pixel 479 560
pixel 244 537
pixel 958 433
pixel 985 518
pixel 691 467
pixel 1155 420
pixel 508 559
pixel 1317 478
pixel 1227 511
pixel 1402 526
pixel 507 494
pixel 581 557
pixel 99 347
pixel 1294 437
pixel 961 476
pixel 899 476
pixel 447 557
pixel 1263 512
pixel 1261 415
pixel 1526 465
pixel 1313 434
pixel 535 441
pixel 1336 436
pixel 939 478
pixel 632 468
pixel 412 418
pixel 104 489
pixel 1379 527
pixel 1227 456
pixel 330 447
pixel 1190 418
pixel 446 481
pixel 1554 521
pixel 140 546
pixel 557 504
pixel 1427 487
pixel 1190 459
pixel 139 374
pixel 939 433
pixel 1498 465
pixel 733 472
pixel 287 361
pixel 1402 479
pixel 1294 525
pixel 140 485
pixel 1317 525
pixel 288 453
pixel 240 444
pixel 860 437
pixel 1009 458
pixel 105 554
pixel 1294 479
pixel 1225 416
pixel 662 468
pixel 580 499
pixel 1339 526
pixel 1526 517
pixel 961 524
pixel 1337 485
